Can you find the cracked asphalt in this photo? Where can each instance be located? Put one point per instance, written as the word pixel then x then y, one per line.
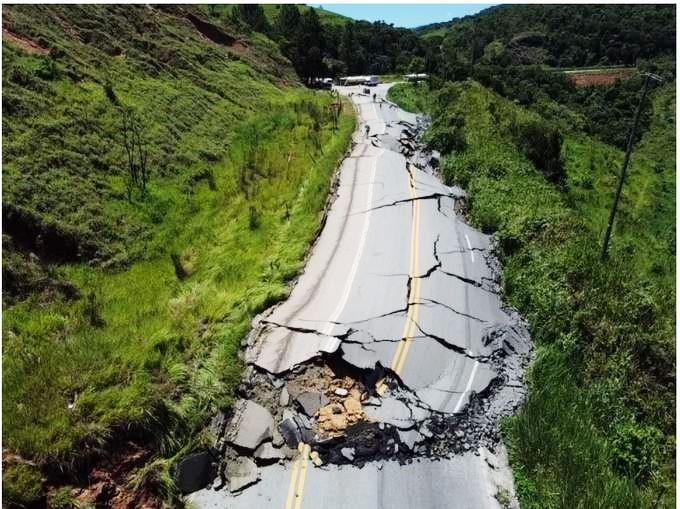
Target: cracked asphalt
pixel 401 289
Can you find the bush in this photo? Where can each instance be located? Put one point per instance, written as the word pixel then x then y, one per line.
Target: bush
pixel 636 450
pixel 447 134
pixel 542 144
pixel 21 484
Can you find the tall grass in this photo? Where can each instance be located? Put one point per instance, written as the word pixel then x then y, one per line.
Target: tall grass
pixel 413 97
pixel 560 459
pixel 164 356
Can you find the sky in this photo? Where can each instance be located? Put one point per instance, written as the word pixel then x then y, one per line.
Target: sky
pixel 405 15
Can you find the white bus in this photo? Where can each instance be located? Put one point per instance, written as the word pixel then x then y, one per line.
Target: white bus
pixel 370 81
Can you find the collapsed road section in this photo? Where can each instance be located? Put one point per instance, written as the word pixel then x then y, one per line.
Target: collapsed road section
pixel 394 347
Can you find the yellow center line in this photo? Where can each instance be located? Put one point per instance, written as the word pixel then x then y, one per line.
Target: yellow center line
pixel 297 479
pixel 303 475
pixel 412 315
pixel 412 320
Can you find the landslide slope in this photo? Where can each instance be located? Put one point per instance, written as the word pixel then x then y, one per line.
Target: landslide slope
pixel 163 178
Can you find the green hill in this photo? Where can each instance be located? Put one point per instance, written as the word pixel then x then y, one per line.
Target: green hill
pixel 561 35
pixel 163 176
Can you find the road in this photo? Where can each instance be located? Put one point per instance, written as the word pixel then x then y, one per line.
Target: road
pixel 398 285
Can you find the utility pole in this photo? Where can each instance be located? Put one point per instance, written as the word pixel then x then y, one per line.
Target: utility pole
pixel 629 148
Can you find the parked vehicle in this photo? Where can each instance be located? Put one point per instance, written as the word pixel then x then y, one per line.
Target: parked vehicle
pixel 373 81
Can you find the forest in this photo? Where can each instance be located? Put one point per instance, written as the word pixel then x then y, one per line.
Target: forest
pixel 318 48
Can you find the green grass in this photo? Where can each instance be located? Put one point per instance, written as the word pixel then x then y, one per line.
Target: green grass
pixel 240 171
pixel 412 97
pixel 598 426
pixel 59 126
pixel 437 32
pixel 168 347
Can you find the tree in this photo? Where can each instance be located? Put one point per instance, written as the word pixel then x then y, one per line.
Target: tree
pixel 335 67
pixel 311 46
pixel 493 53
pixel 287 23
pixel 417 65
pixel 542 144
pixel 253 16
pixel 348 47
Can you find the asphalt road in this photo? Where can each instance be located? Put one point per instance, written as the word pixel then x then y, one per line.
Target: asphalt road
pixel 398 280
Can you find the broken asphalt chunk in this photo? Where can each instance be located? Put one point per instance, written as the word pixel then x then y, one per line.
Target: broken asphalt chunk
pixel 251 425
pixel 193 472
pixel 311 402
pixel 241 473
pixel 267 453
pixel 347 453
pixel 295 429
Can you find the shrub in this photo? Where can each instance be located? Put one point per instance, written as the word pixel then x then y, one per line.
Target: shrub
pixel 447 134
pixel 542 144
pixel 21 484
pixel 636 450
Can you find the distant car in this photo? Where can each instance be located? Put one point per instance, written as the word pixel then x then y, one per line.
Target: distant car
pixel 321 84
pixel 372 81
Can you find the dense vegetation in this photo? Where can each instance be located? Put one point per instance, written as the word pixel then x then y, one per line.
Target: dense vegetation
pixel 321 46
pixel 510 48
pixel 413 97
pixel 602 111
pixel 560 35
pixel 162 182
pixel 598 427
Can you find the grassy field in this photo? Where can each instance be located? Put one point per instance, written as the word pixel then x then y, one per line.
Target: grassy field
pixel 145 345
pixel 598 427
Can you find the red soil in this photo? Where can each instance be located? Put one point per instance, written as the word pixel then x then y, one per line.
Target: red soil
pixel 590 79
pixel 28 45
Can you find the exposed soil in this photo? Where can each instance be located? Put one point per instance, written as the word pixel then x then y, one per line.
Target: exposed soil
pixel 109 482
pixel 590 79
pixel 28 45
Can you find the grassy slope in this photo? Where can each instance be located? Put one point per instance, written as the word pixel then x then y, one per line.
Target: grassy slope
pixel 597 429
pixel 411 97
pixel 142 349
